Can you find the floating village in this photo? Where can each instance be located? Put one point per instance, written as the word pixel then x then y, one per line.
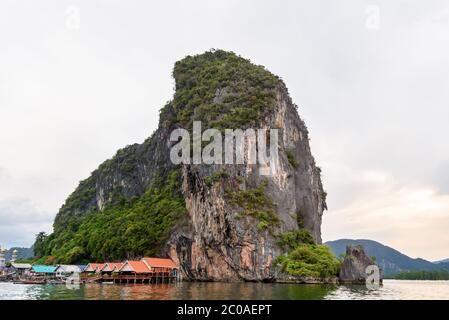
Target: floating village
pixel 143 271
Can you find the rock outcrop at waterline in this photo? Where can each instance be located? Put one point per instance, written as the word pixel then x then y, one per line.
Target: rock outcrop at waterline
pixel 217 222
pixel 354 267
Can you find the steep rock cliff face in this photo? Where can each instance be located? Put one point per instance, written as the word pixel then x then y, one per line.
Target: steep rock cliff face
pixel 219 244
pixel 235 214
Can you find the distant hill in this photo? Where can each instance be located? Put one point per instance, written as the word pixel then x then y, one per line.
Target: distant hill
pixel 442 261
pixel 23 253
pixel 443 265
pixel 390 260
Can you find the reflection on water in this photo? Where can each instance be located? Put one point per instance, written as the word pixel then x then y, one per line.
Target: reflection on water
pixel 392 289
pixel 180 291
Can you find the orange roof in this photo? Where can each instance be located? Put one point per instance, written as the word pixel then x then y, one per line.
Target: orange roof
pixel 111 265
pixel 118 265
pixel 160 263
pixel 95 265
pixel 137 266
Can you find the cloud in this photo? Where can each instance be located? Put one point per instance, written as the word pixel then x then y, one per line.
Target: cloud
pixel 21 218
pixel 412 219
pixel 441 177
pixel 20 222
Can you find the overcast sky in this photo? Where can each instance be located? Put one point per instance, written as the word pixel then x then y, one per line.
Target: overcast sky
pixel 81 79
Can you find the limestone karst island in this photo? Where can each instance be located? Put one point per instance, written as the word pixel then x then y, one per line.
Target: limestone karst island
pixel 139 218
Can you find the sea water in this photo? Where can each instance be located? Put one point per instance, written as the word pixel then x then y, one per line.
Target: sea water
pixel 392 289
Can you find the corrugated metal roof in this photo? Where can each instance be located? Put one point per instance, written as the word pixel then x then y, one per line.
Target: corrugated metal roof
pixel 82 266
pixel 68 268
pixel 21 265
pixel 44 269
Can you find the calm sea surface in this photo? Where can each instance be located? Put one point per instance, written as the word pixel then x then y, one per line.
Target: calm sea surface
pixel 392 289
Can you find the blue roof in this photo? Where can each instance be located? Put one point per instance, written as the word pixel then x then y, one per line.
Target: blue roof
pixel 82 266
pixel 44 269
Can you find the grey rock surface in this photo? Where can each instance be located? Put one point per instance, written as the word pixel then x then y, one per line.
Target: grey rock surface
pixel 354 267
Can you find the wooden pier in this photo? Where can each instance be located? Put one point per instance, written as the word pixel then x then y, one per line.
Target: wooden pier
pixel 153 278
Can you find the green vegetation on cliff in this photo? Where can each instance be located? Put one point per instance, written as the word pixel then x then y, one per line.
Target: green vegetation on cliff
pixel 217 176
pixel 292 160
pixel 309 260
pixel 132 229
pixel 221 89
pixel 257 204
pixel 124 166
pixel 305 258
pixel 291 239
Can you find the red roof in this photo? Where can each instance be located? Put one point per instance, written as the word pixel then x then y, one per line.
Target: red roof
pixel 160 263
pixel 137 266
